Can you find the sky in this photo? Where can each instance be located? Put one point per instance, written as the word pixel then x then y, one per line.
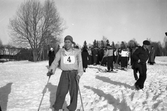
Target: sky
pixel 117 20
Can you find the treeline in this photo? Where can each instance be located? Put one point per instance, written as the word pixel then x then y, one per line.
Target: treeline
pixel 14 53
pixel 10 53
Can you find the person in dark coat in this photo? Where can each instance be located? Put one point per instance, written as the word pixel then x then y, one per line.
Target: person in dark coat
pixel 101 54
pixel 90 56
pixel 140 56
pixel 51 56
pixel 85 57
pixel 151 60
pixel 135 70
pixel 104 59
pixel 95 55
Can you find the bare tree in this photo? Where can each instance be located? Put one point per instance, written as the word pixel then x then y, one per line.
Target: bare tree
pixel 36 25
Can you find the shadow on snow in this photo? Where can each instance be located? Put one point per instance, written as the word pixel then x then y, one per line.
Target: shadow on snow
pixel 116 103
pixel 4 93
pixel 106 79
pixel 52 89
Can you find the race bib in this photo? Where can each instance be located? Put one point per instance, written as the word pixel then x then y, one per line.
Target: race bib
pixel 69 59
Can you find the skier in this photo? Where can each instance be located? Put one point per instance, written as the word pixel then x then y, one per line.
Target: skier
pixel 72 69
pixel 124 58
pixel 109 54
pixel 51 56
pixel 140 56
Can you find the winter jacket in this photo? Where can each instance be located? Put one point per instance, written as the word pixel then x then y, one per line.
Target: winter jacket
pixel 69 60
pixel 141 54
pixel 124 53
pixel 109 52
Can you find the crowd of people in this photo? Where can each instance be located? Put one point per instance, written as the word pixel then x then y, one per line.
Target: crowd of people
pixel 73 62
pixel 105 56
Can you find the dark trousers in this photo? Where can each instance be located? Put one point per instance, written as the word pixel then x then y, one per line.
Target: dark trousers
pixel 142 75
pixel 90 60
pixel 104 61
pixel 95 57
pixel 68 82
pixel 110 63
pixel 50 61
pixel 124 62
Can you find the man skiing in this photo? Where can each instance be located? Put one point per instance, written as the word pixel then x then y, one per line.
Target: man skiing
pixel 140 56
pixel 71 65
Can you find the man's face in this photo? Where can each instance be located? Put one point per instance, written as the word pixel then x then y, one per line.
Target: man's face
pixel 67 44
pixel 51 49
pixel 147 46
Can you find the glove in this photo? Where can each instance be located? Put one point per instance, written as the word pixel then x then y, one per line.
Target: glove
pixel 78 77
pixel 50 73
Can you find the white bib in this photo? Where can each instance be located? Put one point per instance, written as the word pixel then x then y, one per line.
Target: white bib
pixel 69 59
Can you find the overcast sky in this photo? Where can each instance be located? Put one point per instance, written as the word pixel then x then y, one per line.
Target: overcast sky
pixel 118 20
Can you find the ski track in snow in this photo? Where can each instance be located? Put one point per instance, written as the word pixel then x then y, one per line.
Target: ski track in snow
pixel 23 84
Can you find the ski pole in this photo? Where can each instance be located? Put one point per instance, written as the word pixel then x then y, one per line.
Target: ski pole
pixel 43 94
pixel 80 96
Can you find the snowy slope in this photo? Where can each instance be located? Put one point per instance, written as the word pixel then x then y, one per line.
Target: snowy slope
pixel 23 84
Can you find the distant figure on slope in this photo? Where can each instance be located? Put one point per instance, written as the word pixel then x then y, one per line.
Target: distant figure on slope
pixel 151 60
pixel 72 69
pixel 51 56
pixel 140 56
pixel 90 55
pixel 85 58
pixel 95 55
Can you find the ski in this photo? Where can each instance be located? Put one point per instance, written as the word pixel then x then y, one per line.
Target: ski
pixel 105 71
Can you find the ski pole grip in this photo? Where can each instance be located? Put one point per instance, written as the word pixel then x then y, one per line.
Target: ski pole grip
pixel 50 73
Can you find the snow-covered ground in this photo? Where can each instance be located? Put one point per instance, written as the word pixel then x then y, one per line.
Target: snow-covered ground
pixel 23 84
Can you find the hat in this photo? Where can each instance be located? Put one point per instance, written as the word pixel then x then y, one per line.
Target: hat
pixel 68 37
pixel 108 44
pixel 146 42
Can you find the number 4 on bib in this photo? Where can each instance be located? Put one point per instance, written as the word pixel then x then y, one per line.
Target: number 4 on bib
pixel 69 59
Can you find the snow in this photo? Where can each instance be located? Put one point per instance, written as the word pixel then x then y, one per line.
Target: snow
pixel 24 83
